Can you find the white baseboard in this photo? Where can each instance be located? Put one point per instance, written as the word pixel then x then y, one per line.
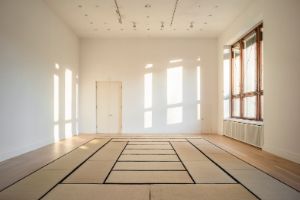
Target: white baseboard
pixel 283 153
pixel 24 149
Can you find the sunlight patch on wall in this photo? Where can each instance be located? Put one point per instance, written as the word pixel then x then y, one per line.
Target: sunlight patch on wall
pixel 149 66
pixel 68 130
pixel 56 133
pixel 174 115
pixel 174 85
pixel 148 90
pixel 77 106
pixel 175 61
pixel 148 119
pixel 68 94
pixel 56 97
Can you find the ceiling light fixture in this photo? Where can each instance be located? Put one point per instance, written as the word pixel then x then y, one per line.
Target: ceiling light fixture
pixel 192 25
pixel 162 25
pixel 118 12
pixel 134 24
pixel 173 14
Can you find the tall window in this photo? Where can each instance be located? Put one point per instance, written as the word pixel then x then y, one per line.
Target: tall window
pixel 246 76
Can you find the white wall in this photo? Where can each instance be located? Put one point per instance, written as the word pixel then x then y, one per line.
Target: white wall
pixel 124 60
pixel 281 71
pixel 32 40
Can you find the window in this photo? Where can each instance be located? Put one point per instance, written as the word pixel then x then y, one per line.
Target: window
pixel 246 77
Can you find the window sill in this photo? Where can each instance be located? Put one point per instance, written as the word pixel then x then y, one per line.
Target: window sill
pixel 245 121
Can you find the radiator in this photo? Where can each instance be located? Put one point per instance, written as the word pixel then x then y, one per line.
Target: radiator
pixel 245 131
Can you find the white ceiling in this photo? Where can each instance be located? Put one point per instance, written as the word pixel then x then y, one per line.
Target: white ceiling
pixel 152 18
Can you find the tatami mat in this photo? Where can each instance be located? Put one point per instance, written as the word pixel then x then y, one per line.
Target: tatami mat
pixel 207 172
pixel 33 186
pixel 148 166
pixel 148 142
pixel 148 158
pixel 111 151
pixel 96 192
pixel 206 146
pixel 149 177
pixel 126 161
pixel 200 191
pixel 149 146
pixel 188 152
pixel 91 172
pixel 264 186
pixel 228 161
pixel 148 151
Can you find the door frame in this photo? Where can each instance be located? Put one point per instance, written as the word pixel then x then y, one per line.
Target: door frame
pixel 121 102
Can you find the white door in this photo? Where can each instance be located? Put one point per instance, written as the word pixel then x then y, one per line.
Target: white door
pixel 109 107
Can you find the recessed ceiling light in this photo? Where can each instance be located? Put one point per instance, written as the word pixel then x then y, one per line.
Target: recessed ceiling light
pixel 192 25
pixel 147 6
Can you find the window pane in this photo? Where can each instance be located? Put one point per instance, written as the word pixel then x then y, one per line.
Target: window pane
pixel 250 107
pixel 236 107
pixel 226 108
pixel 262 63
pixel 236 70
pixel 226 73
pixel 262 106
pixel 250 64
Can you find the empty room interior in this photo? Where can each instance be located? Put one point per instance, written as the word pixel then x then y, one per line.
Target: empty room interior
pixel 149 99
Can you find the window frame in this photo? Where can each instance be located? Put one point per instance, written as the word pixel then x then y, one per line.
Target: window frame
pixel 258 93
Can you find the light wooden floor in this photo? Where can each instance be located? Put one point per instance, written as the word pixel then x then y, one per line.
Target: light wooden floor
pixel 285 171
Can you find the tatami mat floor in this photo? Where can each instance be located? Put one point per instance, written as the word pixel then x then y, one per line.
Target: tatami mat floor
pixel 150 168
